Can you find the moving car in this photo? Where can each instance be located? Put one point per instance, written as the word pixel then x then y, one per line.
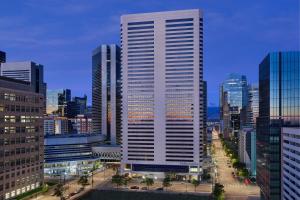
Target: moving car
pixel 134 187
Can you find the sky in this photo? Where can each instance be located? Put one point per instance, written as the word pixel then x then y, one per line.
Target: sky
pixel 62 34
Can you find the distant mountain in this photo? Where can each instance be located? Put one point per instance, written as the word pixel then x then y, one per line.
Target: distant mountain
pixel 213 113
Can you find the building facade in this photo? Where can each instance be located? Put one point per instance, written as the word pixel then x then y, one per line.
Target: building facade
pixel 21 138
pixel 70 154
pixel 81 105
pixel 279 106
pixel 233 100
pixel 56 125
pixel 252 111
pixel 247 149
pixel 163 105
pixel 26 71
pixel 290 164
pixel 2 57
pixel 57 101
pixel 83 124
pixel 106 93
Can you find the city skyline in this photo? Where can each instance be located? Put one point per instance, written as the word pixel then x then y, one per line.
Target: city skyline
pixel 62 47
pixel 169 98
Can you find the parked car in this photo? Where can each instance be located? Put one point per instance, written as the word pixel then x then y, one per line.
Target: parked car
pixel 159 189
pixel 134 187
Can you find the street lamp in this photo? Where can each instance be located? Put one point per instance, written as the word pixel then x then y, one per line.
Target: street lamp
pixel 92 178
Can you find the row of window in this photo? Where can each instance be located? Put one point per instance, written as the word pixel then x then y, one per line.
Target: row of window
pixel 16 108
pixel 19 98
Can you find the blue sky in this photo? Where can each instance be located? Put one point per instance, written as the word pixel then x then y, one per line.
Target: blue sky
pixel 61 35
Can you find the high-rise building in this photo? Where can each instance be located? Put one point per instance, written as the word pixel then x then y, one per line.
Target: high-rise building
pixel 106 93
pixel 236 87
pixel 76 107
pixel 205 118
pixel 290 162
pixel 279 106
pixel 81 104
pixel 21 138
pixel 57 101
pixel 26 71
pixel 2 57
pixel 162 64
pixel 252 110
pixel 233 100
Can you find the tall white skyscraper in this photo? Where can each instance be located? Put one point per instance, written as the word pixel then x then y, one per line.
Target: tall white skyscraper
pixel 162 65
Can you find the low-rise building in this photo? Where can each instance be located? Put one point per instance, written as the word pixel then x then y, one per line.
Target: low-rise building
pixel 70 154
pixel 83 124
pixel 56 125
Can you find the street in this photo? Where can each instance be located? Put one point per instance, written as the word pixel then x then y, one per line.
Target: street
pixel 100 179
pixel 233 188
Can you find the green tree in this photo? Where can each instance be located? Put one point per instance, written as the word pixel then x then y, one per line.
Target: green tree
pixel 59 191
pixel 206 175
pixel 83 181
pixel 195 183
pixel 126 180
pixel 167 182
pixel 218 192
pixel 118 180
pixel 148 182
pixel 96 165
pixel 45 188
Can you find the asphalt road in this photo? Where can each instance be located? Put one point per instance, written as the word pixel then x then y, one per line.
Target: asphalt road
pixel 234 189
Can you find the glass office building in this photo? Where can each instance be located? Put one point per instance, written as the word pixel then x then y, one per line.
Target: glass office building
pixel 253 105
pixel 236 87
pixel 106 94
pixel 279 106
pixel 57 101
pixel 233 100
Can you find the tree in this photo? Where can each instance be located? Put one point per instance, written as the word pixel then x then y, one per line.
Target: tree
pixel 126 179
pixel 167 182
pixel 118 180
pixel 96 165
pixel 195 183
pixel 218 191
pixel 83 181
pixel 59 191
pixel 244 173
pixel 45 188
pixel 148 182
pixel 206 175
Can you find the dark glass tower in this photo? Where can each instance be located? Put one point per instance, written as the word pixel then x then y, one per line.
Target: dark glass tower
pixel 279 106
pixel 2 57
pixel 106 94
